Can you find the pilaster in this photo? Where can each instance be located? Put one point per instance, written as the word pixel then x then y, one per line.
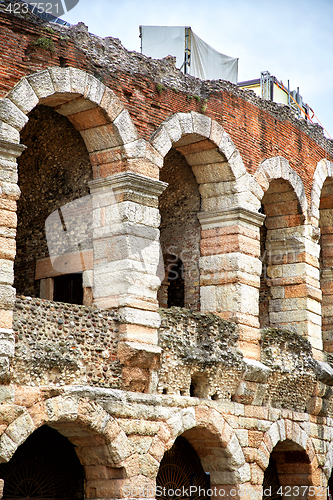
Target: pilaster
pixel 230 270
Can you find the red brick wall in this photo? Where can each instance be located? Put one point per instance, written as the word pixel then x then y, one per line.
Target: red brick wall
pixel 259 129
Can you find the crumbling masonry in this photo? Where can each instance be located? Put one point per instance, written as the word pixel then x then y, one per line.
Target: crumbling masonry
pixel 235 194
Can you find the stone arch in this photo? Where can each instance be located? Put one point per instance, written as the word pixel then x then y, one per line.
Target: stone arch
pixel 323 170
pixel 93 108
pixel 279 168
pixel 206 429
pixel 288 431
pixel 211 153
pixel 286 237
pixel 230 200
pixel 321 212
pixel 99 440
pixel 115 149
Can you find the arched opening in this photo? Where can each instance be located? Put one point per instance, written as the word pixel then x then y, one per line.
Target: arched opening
pixel 288 471
pixel 180 470
pixel 53 172
pixel 175 281
pixel 180 234
pixel 44 466
pixel 326 262
pixel 281 248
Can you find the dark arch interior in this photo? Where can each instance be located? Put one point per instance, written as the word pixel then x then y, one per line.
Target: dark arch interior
pixel 180 469
pixel 44 466
pixel 176 288
pixel 53 171
pixel 179 205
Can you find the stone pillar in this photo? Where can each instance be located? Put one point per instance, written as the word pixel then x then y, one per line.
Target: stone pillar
pixel 293 278
pixel 230 271
pixel 128 267
pixel 9 194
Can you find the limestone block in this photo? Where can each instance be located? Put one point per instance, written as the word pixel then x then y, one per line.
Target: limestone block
pixel 201 124
pixel 139 354
pixel 138 333
pixel 11 114
pixel 7 247
pixel 8 133
pixel 7 342
pixel 222 477
pixel 7 297
pixel 216 132
pixel 7 448
pixel 237 166
pixel 205 157
pixel 173 129
pixel 88 278
pixel 148 466
pixel 237 298
pixel 23 96
pixel 61 78
pixel 78 80
pixel 186 123
pixel 6 272
pixel 235 261
pixel 272 168
pixel 153 155
pixel 243 437
pixel 11 190
pixel 181 422
pixel 20 429
pixel 62 409
pixel 161 141
pixel 208 299
pixel 219 202
pixel 120 448
pixel 234 451
pixel 132 212
pixel 99 138
pixel 256 371
pixel 139 317
pixel 282 430
pixel 123 283
pixel 255 187
pixel 73 107
pixel 111 104
pixel 94 89
pixel 125 127
pixel 226 146
pixel 41 83
pixel 243 474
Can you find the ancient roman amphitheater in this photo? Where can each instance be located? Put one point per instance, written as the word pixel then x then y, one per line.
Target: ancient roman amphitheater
pixel 205 373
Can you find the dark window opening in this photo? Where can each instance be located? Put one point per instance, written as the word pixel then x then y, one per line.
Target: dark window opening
pixel 44 466
pixel 181 468
pixel 176 289
pixel 68 288
pixel 271 482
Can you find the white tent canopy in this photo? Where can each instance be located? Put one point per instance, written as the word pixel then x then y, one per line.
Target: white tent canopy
pixel 201 60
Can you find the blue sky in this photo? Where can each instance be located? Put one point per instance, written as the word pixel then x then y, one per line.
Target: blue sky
pixel 292 39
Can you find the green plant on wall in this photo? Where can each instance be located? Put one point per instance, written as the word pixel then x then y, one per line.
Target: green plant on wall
pixel 204 106
pixel 159 88
pixel 44 43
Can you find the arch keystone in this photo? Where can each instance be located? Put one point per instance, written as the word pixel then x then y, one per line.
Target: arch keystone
pixel 62 409
pixel 61 78
pixel 201 124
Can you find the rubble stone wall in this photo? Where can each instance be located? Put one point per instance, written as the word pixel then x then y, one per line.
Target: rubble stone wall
pixel 61 344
